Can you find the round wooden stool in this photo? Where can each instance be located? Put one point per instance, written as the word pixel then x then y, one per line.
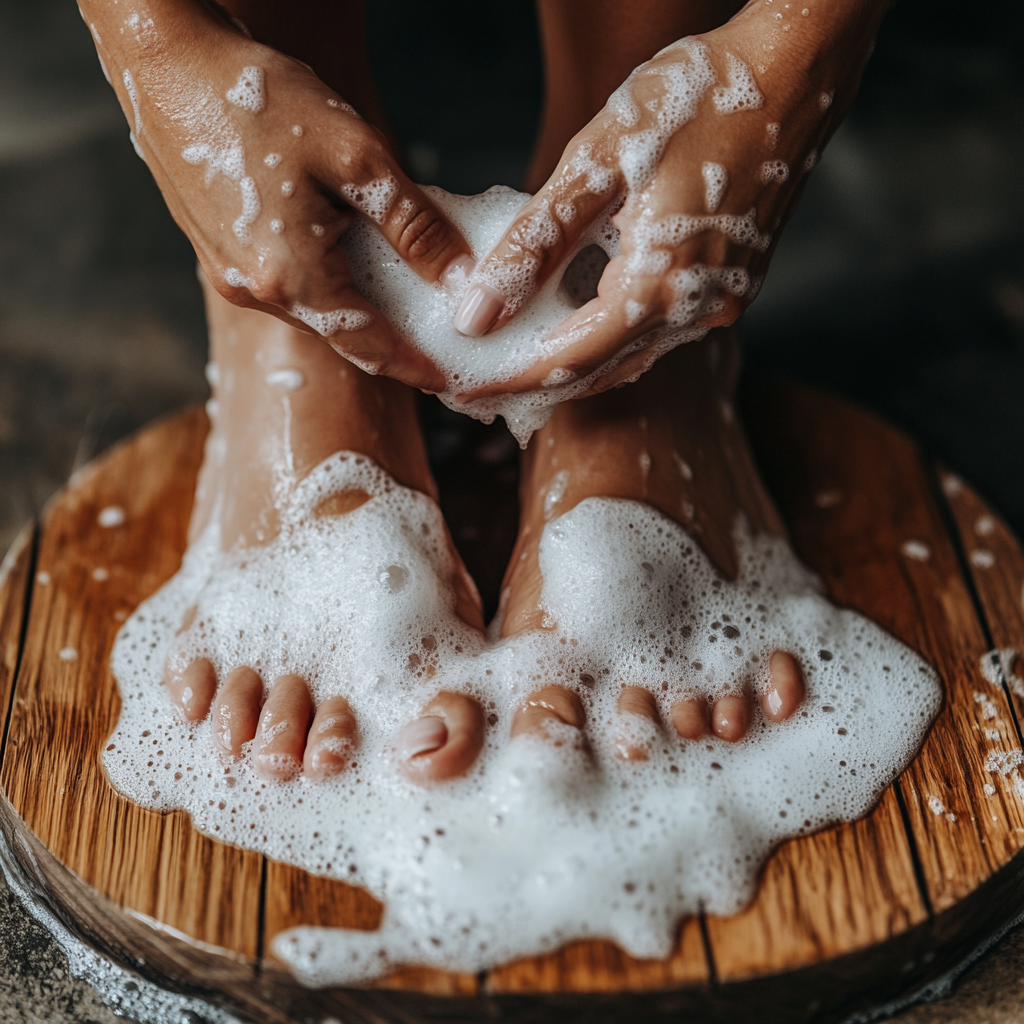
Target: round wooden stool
pixel 849 919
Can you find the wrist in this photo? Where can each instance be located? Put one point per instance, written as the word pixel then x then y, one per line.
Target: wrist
pixel 820 42
pixel 170 35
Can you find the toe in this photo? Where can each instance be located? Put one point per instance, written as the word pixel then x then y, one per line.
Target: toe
pixel 331 740
pixel 633 744
pixel 785 687
pixel 444 741
pixel 237 710
pixel 192 690
pixel 730 717
pixel 283 727
pixel 551 705
pixel 690 718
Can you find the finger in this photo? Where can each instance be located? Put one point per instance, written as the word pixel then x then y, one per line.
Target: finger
pixel 367 177
pixel 612 327
pixel 625 309
pixel 305 280
pixel 542 235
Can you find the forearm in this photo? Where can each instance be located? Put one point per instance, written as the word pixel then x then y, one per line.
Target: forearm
pixel 156 48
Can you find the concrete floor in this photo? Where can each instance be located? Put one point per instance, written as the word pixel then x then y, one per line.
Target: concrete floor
pixel 900 284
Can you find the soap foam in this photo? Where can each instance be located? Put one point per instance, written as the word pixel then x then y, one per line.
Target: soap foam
pixel 374 199
pixel 248 92
pixel 716 179
pixel 133 96
pixel 538 844
pixel 423 313
pixel 741 93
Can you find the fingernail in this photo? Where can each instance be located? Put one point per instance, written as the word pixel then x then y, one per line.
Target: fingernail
pixel 479 309
pixel 422 737
pixel 456 274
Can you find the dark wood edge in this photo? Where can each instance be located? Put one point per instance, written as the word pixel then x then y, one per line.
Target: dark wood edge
pixel 891 972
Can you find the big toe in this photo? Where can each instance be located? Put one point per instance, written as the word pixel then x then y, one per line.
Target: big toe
pixel 785 690
pixel 332 739
pixel 548 711
pixel 444 741
pixel 237 710
pixel 192 689
pixel 637 724
pixel 283 727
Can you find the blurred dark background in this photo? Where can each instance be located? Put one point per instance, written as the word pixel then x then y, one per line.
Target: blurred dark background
pixel 900 283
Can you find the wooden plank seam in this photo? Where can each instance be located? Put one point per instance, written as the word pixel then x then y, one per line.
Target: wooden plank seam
pixel 915 853
pixel 261 919
pixel 30 582
pixel 709 953
pixel 949 518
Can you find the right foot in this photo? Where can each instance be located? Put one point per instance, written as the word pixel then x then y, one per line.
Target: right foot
pixel 670 441
pixel 284 402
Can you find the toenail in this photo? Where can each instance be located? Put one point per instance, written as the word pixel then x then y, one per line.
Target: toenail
pixel 423 736
pixel 774 702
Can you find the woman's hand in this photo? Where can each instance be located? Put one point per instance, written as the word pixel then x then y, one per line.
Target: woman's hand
pixel 702 154
pixel 263 166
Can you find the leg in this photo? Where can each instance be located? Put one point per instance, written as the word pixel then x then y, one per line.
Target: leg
pixel 672 441
pixel 283 402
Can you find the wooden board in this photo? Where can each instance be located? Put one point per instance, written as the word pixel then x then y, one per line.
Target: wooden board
pixel 846 919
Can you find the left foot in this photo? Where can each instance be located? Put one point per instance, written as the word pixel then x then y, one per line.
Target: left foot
pixel 671 441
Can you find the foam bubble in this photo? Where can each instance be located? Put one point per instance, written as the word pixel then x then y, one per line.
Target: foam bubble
pixel 129 84
pixel 333 321
pixel 288 379
pixel 774 170
pixel 272 159
pixel 250 210
pixel 917 550
pixel 716 179
pixel 423 313
pixel 234 277
pixel 68 654
pixel 538 844
pixel 741 93
pixel 374 199
pixel 112 515
pixel 248 91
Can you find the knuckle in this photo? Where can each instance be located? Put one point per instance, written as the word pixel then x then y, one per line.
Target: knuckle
pixel 424 235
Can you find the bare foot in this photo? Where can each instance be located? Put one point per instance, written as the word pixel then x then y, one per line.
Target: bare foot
pixel 283 402
pixel 672 441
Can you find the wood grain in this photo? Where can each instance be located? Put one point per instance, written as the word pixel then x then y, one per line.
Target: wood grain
pixel 858 501
pixel 839 916
pixel 66 705
pixel 603 967
pixel 996 566
pixel 14 590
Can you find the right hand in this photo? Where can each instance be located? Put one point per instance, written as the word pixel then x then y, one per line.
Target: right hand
pixel 264 191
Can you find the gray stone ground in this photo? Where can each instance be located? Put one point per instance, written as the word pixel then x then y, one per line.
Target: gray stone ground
pixel 900 284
